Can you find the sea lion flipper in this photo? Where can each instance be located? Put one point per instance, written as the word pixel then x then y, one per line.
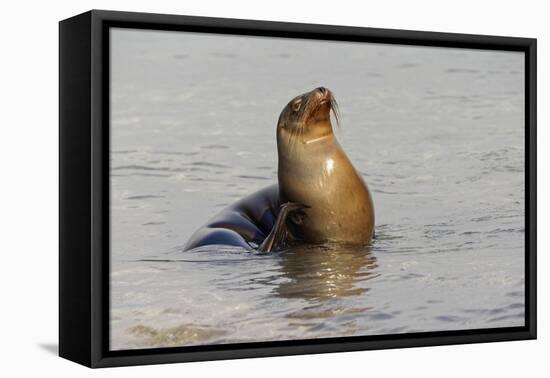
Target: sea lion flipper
pixel 279 236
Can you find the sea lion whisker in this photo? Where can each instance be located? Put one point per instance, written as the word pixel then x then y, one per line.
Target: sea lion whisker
pixel 335 110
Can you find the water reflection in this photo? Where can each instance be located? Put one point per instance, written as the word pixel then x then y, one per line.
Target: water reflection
pixel 321 272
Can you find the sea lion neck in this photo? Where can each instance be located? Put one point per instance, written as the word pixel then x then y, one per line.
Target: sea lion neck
pixel 297 146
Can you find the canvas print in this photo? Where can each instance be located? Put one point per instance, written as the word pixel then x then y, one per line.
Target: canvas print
pixel 267 189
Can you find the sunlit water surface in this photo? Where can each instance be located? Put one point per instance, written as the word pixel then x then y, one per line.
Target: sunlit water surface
pixel 436 133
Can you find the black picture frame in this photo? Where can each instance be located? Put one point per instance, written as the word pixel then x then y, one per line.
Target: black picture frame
pixel 84 190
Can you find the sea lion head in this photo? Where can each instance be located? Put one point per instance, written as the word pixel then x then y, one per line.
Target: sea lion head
pixel 307 116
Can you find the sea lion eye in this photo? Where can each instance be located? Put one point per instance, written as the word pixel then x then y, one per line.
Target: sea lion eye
pixel 296 105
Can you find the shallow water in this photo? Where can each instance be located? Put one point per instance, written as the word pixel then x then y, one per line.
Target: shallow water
pixel 436 133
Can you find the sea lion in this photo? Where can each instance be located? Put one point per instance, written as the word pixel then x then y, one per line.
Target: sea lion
pixel 320 197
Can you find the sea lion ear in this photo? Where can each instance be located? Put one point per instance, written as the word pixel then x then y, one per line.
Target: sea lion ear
pixel 296 104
